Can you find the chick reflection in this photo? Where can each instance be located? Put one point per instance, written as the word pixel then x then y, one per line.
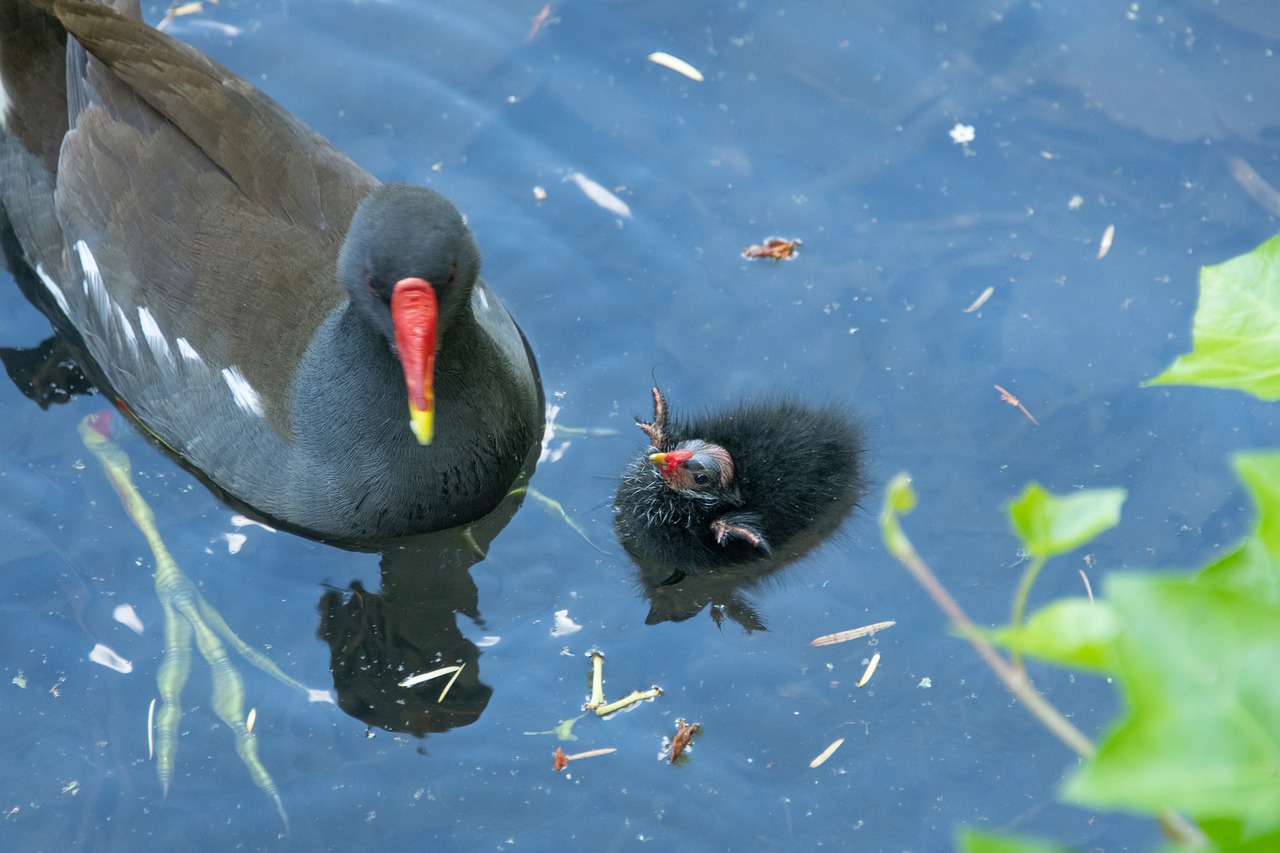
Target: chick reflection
pixel 409 627
pixel 719 503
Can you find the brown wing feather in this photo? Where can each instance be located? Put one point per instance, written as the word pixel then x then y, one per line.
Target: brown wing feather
pixel 241 130
pixel 174 166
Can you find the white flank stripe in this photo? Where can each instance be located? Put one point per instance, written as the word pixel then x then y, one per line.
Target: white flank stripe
pixel 52 286
pixel 6 103
pixel 245 397
pixel 130 338
pixel 188 352
pixel 94 287
pixel 87 260
pixel 154 337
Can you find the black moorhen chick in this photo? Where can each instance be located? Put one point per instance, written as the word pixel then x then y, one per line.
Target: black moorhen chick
pixel 258 302
pixel 763 481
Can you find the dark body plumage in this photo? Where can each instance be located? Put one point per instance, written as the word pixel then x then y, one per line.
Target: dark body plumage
pixel 796 472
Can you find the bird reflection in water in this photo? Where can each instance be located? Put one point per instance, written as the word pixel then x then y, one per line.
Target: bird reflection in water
pixel 718 504
pixel 376 639
pixel 410 626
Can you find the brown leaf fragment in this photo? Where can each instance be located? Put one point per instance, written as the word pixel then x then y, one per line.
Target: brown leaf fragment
pixel 1087 587
pixel 679 743
pixel 774 248
pixel 591 753
pixel 1014 401
pixel 980 301
pixel 1105 245
pixel 561 760
pixel 538 22
pixel 178 11
pixel 676 64
pixel 871 668
pixel 852 634
pixel 601 196
pixel 826 753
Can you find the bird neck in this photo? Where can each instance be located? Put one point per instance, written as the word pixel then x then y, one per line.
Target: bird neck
pixel 352 384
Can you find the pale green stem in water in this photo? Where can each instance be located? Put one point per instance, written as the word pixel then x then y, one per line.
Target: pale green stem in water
pixel 557 510
pixel 627 701
pixel 563 731
pixel 587 432
pixel 227 700
pixel 597 681
pixel 175 666
pixel 187 613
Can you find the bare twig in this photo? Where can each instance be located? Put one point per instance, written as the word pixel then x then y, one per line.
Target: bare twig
pixel 899 498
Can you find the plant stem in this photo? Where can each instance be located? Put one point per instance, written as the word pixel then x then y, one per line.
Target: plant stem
pixel 1024 590
pixel 1019 612
pixel 628 701
pixel 900 499
pixel 1014 679
pixel 597 681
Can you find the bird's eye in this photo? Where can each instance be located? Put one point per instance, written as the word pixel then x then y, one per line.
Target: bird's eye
pixel 702 478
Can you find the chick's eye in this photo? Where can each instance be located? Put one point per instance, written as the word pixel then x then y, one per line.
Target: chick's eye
pixel 702 478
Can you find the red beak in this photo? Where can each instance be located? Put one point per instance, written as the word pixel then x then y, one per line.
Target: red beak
pixel 667 463
pixel 415 316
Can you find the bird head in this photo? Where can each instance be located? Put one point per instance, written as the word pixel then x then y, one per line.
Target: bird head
pixel 699 469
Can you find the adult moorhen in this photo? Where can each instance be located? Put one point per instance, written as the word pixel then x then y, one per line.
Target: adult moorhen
pixel 761 483
pixel 258 302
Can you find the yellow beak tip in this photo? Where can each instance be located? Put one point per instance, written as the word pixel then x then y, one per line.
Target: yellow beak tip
pixel 422 423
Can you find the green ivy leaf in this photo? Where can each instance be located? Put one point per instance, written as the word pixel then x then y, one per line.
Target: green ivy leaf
pixel 1049 524
pixel 1197 665
pixel 1236 330
pixel 1070 632
pixel 1254 565
pixel 976 841
pixel 1228 837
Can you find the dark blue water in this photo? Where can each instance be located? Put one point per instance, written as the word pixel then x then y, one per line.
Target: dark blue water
pixel 814 122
